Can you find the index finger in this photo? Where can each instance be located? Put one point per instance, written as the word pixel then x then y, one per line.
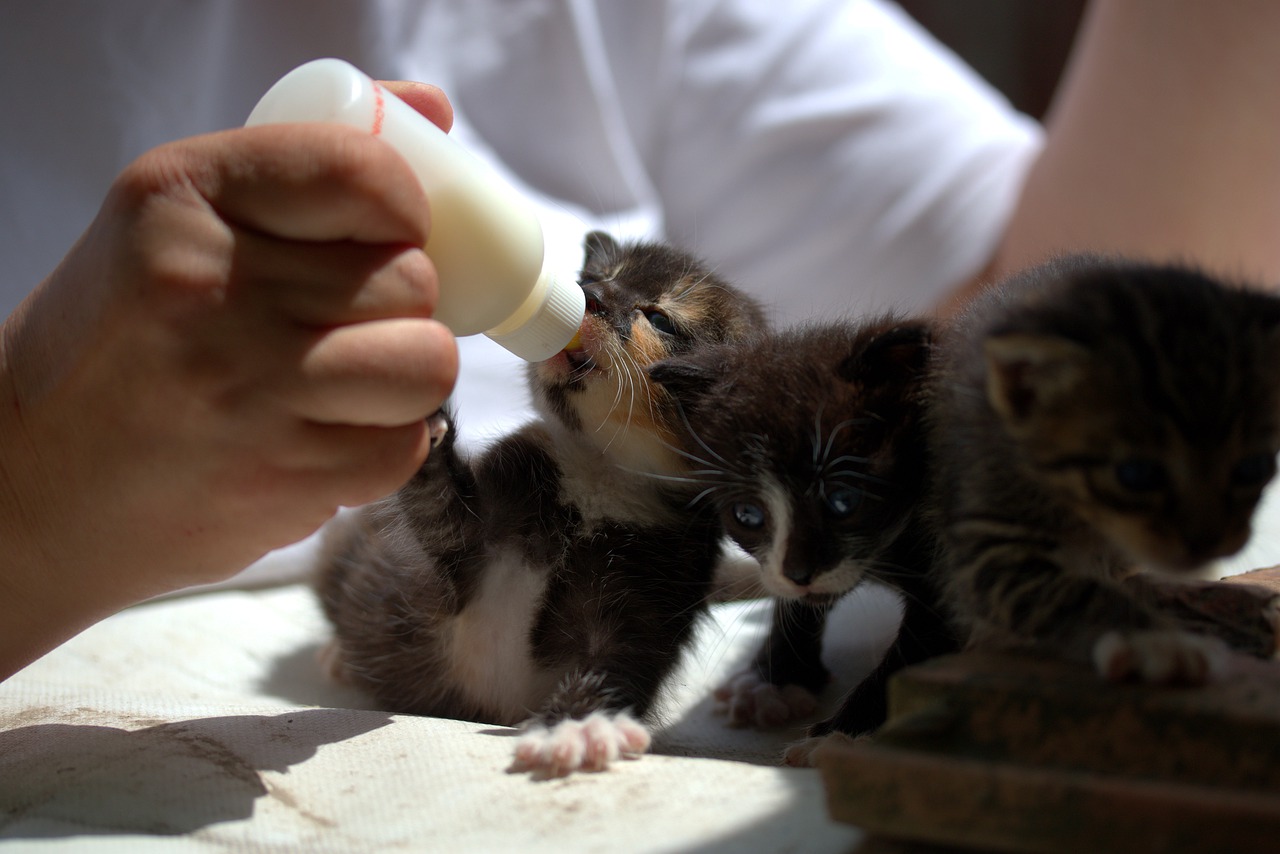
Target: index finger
pixel 428 100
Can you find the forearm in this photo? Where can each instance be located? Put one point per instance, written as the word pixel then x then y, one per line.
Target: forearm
pixel 39 607
pixel 37 614
pixel 1162 141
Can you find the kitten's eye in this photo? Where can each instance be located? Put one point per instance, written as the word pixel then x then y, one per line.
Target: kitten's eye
pixel 660 322
pixel 1138 475
pixel 750 516
pixel 1254 470
pixel 842 502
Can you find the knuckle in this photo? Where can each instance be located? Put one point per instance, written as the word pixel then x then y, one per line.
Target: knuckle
pixel 173 242
pixel 418 283
pixel 152 173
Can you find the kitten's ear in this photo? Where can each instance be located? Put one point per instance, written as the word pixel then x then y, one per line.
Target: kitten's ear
pixel 894 355
pixel 685 379
pixel 1029 374
pixel 599 246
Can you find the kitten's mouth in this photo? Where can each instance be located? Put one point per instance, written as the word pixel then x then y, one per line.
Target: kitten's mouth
pixel 804 594
pixel 579 356
pixel 819 599
pixel 579 361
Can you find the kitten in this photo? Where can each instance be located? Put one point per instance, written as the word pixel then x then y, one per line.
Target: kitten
pixel 810 447
pixel 1089 418
pixel 553 580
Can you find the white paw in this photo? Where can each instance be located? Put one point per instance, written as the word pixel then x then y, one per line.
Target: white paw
pixel 437 428
pixel 581 745
pixel 802 753
pixel 750 701
pixel 331 662
pixel 1160 657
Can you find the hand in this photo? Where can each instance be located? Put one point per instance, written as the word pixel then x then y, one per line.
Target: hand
pixel 239 344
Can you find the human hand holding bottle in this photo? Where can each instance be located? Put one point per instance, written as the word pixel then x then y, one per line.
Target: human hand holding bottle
pixel 240 343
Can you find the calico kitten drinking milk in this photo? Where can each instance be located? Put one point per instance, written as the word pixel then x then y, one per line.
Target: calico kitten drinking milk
pixel 553 580
pixel 1093 418
pixel 809 444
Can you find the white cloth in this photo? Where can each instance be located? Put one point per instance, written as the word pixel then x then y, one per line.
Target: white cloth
pixel 203 723
pixel 825 154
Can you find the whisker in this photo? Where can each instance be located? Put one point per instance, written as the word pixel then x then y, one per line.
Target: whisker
pixel 817 433
pixel 848 458
pixel 674 478
pixel 684 418
pixel 859 475
pixel 835 431
pixel 701 495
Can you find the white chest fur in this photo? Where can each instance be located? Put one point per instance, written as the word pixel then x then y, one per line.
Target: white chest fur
pixel 488 645
pixel 623 480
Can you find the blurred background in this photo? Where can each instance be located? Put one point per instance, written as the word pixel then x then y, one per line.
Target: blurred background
pixel 1018 45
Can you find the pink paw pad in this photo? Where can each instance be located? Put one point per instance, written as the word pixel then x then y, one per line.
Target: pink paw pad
pixel 802 754
pixel 1160 657
pixel 437 428
pixel 750 701
pixel 329 657
pixel 590 744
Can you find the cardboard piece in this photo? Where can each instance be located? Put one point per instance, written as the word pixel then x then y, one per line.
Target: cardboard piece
pixel 1015 753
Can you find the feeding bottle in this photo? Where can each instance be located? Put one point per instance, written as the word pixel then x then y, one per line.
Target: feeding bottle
pixel 486 242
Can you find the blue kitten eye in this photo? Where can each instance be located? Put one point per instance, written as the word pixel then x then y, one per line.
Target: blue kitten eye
pixel 660 322
pixel 842 502
pixel 750 516
pixel 1254 470
pixel 1137 475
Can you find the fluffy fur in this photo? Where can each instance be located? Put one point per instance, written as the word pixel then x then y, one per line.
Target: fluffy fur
pixel 1092 418
pixel 553 580
pixel 809 446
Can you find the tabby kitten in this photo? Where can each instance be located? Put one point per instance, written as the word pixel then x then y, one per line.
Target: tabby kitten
pixel 553 580
pixel 809 445
pixel 1093 417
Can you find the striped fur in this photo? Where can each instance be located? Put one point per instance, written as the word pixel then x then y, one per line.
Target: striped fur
pixel 1090 418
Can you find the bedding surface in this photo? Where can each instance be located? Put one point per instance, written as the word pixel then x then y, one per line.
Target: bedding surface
pixel 203 723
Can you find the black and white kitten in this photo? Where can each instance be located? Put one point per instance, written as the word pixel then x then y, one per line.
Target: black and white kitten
pixel 810 447
pixel 1093 418
pixel 553 580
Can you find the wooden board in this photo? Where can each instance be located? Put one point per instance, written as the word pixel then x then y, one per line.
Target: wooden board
pixel 1013 753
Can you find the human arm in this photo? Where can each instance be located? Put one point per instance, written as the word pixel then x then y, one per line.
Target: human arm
pixel 239 344
pixel 1162 141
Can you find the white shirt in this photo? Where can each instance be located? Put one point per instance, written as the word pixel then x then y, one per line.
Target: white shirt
pixel 826 155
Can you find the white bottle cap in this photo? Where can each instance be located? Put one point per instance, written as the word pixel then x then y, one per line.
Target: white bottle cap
pixel 548 320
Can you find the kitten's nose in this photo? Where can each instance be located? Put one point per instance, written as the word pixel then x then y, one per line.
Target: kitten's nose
pixel 802 574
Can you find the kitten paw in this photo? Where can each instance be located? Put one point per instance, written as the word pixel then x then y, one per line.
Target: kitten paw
pixel 1160 657
pixel 589 744
pixel 331 664
pixel 750 701
pixel 437 428
pixel 803 753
